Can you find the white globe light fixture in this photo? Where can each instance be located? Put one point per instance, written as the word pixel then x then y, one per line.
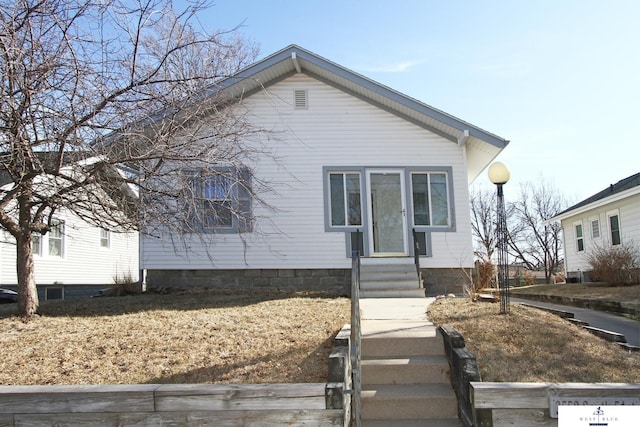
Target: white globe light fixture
pixel 499 175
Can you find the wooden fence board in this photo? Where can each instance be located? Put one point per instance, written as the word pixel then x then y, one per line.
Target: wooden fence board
pixel 523 417
pixel 213 397
pixel 509 404
pixel 199 418
pixel 81 398
pixel 536 395
pixel 6 420
pixel 509 395
pixel 242 390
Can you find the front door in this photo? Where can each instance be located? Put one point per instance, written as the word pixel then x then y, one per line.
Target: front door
pixel 387 215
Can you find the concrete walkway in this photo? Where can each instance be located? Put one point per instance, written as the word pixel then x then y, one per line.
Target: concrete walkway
pixel 395 308
pixel 404 371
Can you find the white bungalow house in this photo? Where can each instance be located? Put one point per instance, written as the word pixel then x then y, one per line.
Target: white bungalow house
pixel 74 259
pixel 610 217
pixel 356 165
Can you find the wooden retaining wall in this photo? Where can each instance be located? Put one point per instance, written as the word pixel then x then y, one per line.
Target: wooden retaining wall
pixel 528 404
pixel 493 404
pixel 173 404
pixel 310 404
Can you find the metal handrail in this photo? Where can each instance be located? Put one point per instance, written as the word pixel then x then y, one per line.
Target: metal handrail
pixel 416 251
pixel 355 337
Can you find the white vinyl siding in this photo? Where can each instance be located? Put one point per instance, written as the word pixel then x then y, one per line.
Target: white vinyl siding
pixel 627 212
pixel 337 130
pixel 82 263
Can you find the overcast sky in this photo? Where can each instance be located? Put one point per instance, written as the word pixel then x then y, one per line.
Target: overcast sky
pixel 559 79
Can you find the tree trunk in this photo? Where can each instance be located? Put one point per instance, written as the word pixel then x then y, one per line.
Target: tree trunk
pixel 27 291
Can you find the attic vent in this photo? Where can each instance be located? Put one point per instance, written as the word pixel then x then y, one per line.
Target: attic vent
pixel 300 98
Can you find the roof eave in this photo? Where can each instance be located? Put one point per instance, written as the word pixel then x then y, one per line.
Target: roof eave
pixel 595 205
pixel 297 59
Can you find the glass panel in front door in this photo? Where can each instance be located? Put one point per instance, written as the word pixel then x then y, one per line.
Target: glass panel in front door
pixel 387 213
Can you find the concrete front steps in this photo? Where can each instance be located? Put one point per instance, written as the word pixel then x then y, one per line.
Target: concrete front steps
pixel 404 372
pixel 397 279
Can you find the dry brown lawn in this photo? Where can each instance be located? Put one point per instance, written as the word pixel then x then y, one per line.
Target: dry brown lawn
pixel 228 337
pixel 196 337
pixel 532 345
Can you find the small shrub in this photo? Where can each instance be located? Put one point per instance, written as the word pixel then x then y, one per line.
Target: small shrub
pixel 615 265
pixel 526 278
pixel 123 285
pixel 485 276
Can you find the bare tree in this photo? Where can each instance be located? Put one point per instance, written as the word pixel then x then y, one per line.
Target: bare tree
pixel 531 242
pixel 103 98
pixel 483 227
pixel 483 222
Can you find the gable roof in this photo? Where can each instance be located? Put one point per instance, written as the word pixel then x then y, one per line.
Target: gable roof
pixel 482 146
pixel 621 189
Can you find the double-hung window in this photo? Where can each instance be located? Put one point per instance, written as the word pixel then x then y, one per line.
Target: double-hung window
pixel 105 238
pixel 595 228
pixel 222 200
pixel 56 238
pixel 345 199
pixel 36 243
pixel 579 237
pixel 217 201
pixel 614 228
pixel 430 199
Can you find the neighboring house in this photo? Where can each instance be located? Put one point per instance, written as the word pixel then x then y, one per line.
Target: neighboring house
pixel 608 218
pixel 74 259
pixel 349 155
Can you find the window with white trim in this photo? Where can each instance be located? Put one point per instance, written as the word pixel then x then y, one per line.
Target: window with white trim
pixel 105 238
pixel 614 229
pixel 345 199
pixel 595 228
pixel 430 199
pixel 579 237
pixel 36 243
pixel 56 238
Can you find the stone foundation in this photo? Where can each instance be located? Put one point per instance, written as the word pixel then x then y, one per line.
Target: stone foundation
pixel 335 280
pixel 443 281
pixel 437 281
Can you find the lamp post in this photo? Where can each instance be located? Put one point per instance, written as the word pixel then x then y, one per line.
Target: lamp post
pixel 499 175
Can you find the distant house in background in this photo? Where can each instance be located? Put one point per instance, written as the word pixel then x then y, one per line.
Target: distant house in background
pixel 74 259
pixel 608 218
